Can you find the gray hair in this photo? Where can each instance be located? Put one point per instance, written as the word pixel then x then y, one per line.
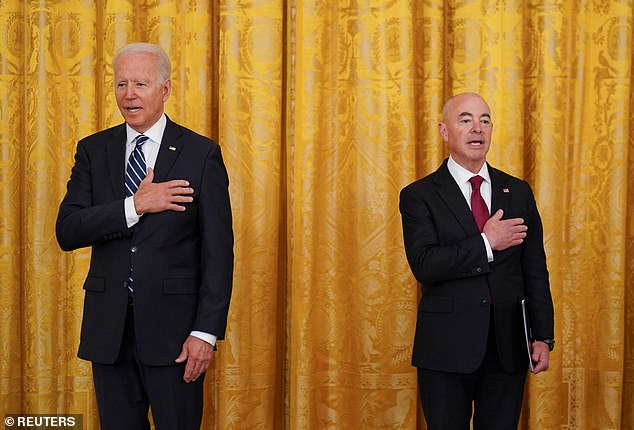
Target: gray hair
pixel 162 60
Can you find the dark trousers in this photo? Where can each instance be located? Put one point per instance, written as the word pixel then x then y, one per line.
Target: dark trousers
pixel 128 388
pixel 493 396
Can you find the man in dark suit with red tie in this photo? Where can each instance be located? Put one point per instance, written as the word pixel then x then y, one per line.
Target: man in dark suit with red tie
pixel 474 269
pixel 151 199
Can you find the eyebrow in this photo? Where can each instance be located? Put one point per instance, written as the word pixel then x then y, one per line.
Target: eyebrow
pixel 471 115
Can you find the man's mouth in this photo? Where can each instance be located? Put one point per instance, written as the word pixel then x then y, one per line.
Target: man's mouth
pixel 475 142
pixel 133 109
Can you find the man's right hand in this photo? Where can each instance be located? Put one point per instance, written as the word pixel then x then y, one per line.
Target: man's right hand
pixel 153 197
pixel 503 234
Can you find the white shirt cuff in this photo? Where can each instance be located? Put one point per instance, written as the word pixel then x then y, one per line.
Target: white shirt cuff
pixel 131 216
pixel 488 247
pixel 207 337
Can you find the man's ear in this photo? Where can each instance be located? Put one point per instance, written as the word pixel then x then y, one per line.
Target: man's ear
pixel 442 129
pixel 167 89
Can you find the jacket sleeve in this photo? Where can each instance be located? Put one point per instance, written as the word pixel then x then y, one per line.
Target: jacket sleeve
pixel 535 273
pixel 216 247
pixel 433 258
pixel 82 220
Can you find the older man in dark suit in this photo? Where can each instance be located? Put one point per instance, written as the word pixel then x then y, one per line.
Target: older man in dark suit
pixel 475 268
pixel 151 199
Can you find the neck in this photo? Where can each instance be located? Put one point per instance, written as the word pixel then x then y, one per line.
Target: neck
pixel 473 167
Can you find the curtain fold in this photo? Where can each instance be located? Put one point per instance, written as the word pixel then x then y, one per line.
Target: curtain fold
pixel 12 76
pixel 324 110
pixel 249 375
pixel 352 303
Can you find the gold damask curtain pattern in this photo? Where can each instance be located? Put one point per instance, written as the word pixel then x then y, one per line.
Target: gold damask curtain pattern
pixel 324 110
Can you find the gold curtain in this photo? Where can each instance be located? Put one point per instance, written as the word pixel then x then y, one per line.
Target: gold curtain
pixel 325 110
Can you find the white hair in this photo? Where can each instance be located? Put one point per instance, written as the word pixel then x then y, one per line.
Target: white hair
pixel 162 60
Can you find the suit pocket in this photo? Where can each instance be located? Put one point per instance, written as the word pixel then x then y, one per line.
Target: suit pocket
pixel 95 284
pixel 180 286
pixel 437 304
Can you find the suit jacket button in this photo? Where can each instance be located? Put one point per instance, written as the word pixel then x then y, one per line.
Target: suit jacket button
pixel 484 302
pixel 133 249
pixel 478 269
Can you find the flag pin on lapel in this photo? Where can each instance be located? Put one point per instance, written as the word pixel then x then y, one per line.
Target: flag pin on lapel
pixel 505 190
pixel 173 148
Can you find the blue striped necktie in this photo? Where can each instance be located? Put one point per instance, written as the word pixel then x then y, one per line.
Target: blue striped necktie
pixel 134 174
pixel 137 169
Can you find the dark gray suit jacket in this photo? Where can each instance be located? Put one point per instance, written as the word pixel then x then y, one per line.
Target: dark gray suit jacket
pixel 182 261
pixel 447 256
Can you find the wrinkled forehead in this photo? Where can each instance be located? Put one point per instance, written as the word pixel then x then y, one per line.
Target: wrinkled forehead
pixel 136 64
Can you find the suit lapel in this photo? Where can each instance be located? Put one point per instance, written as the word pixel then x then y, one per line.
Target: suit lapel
pixel 453 197
pixel 168 151
pixel 115 157
pixel 500 192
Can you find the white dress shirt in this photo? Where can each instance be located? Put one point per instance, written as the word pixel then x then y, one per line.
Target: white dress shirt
pixel 150 150
pixel 462 176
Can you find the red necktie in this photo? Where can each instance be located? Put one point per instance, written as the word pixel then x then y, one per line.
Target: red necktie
pixel 478 205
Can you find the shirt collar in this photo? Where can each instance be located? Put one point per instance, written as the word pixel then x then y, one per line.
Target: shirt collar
pixel 462 175
pixel 155 133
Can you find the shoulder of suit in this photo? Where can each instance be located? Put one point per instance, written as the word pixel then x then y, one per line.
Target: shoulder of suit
pixel 430 180
pixel 188 136
pixel 507 180
pixel 503 175
pixel 105 136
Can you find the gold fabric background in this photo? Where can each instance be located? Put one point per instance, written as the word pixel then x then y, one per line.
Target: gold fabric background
pixel 325 109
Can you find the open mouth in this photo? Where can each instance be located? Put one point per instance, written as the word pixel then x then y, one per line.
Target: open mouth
pixel 133 109
pixel 476 142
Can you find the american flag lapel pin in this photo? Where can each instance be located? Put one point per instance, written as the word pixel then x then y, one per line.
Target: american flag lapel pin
pixel 506 190
pixel 173 148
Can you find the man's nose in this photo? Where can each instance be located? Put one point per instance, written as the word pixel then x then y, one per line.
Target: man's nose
pixel 477 127
pixel 130 93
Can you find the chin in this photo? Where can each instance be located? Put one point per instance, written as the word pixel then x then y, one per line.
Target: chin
pixel 132 123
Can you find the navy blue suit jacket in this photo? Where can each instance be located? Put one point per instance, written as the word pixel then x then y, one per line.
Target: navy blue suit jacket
pixel 182 261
